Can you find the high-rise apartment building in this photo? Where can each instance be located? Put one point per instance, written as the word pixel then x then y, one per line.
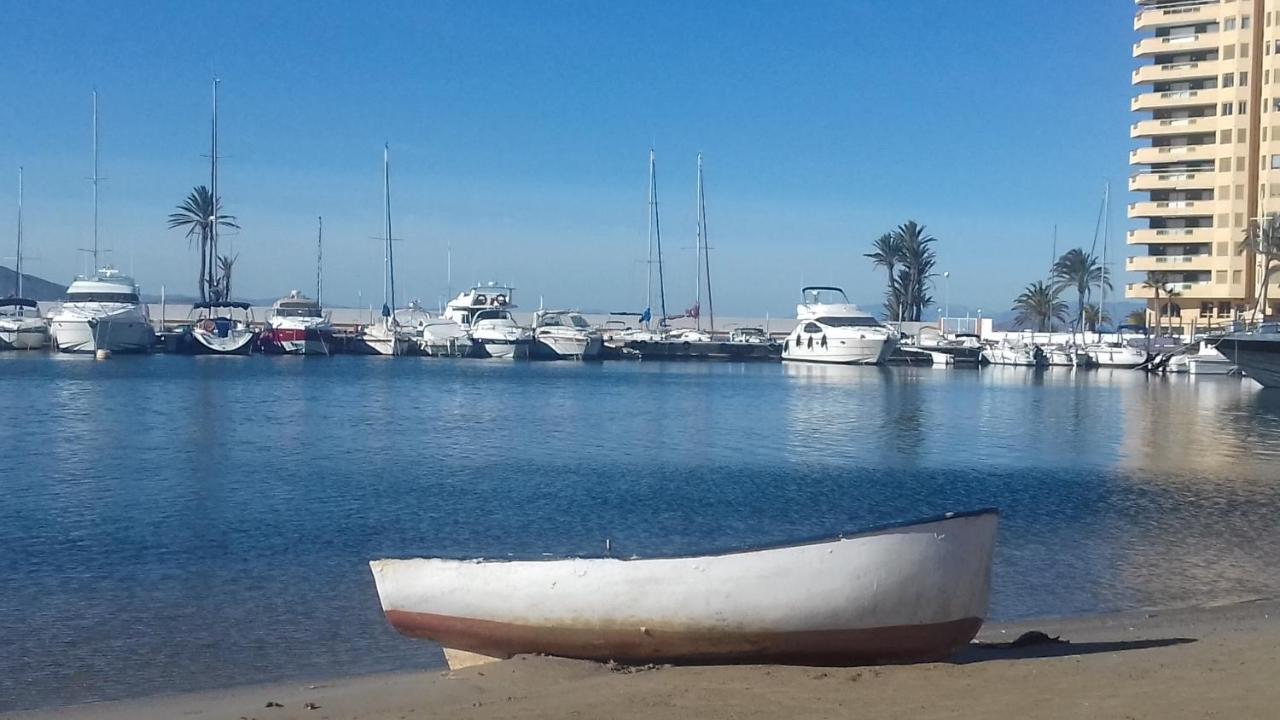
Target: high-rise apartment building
pixel 1208 124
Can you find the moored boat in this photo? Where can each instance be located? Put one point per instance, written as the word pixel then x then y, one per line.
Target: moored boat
pixel 898 593
pixel 102 312
pixel 297 325
pixel 833 330
pixel 223 327
pixel 565 334
pixel 21 325
pixel 1256 352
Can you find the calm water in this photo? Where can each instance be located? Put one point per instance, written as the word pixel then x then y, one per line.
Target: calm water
pixel 173 523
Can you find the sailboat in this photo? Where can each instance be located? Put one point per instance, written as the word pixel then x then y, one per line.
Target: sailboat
pixel 297 324
pixel 103 310
pixel 219 327
pixel 618 337
pixel 386 336
pixel 21 326
pixel 701 271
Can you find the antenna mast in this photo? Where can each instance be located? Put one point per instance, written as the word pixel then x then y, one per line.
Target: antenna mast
pixel 95 180
pixel 18 260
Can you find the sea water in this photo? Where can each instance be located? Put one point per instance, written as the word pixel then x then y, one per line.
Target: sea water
pixel 176 523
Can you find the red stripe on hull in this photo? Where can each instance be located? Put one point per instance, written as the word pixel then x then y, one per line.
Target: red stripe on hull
pixel 864 646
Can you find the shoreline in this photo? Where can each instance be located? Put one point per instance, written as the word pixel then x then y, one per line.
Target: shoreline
pixel 1181 662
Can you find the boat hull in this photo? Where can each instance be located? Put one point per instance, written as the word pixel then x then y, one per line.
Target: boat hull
pixel 899 594
pixel 295 341
pixel 23 336
pixel 82 335
pixel 844 351
pixel 574 347
pixel 500 349
pixel 198 342
pixel 1259 359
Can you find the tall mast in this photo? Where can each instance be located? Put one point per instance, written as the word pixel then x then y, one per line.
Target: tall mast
pixel 448 269
pixel 95 180
pixel 18 259
pixel 706 250
pixel 389 278
pixel 648 276
pixel 319 258
pixel 657 238
pixel 213 191
pixel 1106 230
pixel 697 247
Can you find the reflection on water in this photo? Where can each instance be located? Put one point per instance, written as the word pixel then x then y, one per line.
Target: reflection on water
pixel 196 522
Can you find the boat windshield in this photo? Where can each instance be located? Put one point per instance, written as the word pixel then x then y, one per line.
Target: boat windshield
pixel 825 296
pixel 491 315
pixel 102 297
pixel 298 312
pixel 865 321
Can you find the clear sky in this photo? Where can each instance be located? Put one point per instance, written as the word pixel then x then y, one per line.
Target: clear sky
pixel 519 132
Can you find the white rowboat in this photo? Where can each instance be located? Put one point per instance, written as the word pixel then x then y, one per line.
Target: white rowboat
pixel 898 593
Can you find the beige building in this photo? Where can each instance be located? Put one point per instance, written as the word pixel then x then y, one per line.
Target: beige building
pixel 1207 106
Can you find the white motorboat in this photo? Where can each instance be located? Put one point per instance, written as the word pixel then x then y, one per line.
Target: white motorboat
pixel 1205 360
pixel 297 325
pixel 565 334
pixel 102 312
pixel 1066 355
pixel 21 325
pixel 964 349
pixel 223 327
pixel 1256 352
pixel 484 311
pixel 752 335
pixel 833 330
pixel 1116 354
pixel 689 335
pixel 1015 352
pixel 898 593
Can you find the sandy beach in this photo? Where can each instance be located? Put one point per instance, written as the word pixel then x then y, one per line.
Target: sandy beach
pixel 1219 661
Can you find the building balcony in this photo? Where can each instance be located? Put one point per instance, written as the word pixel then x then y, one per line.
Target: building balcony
pixel 1172 208
pixel 1172 153
pixel 1172 263
pixel 1172 126
pixel 1181 14
pixel 1172 72
pixel 1181 43
pixel 1151 236
pixel 1171 180
pixel 1174 99
pixel 1203 290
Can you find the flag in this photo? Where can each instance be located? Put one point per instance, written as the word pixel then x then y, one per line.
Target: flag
pixel 646 316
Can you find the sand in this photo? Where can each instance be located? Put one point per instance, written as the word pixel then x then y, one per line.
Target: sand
pixel 1210 662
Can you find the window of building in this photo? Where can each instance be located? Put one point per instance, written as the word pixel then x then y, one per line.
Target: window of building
pixel 1240 163
pixel 1242 135
pixel 1244 22
pixel 1275 162
pixel 1224 165
pixel 1222 277
pixel 1229 80
pixel 1229 24
pixel 1224 192
pixel 1206 309
pixel 1229 51
pixel 1242 107
pixel 1239 220
pixel 1222 249
pixel 1228 109
pixel 1237 277
pixel 1266 77
pixel 1224 308
pixel 1224 136
pixel 1244 78
pixel 1239 192
pixel 1244 50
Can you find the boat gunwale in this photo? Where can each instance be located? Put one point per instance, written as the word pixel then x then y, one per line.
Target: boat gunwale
pixel 726 552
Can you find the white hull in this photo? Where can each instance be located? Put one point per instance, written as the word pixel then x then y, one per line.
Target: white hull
pixel 1018 356
pixel 500 349
pixel 386 345
pixel 1121 357
pixel 904 593
pixel 843 351
pixel 572 347
pixel 23 334
pixel 237 342
pixel 316 346
pixel 127 334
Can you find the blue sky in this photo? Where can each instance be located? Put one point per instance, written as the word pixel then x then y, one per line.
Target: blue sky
pixel 519 133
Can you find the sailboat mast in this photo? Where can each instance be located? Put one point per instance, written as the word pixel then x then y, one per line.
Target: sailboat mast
pixel 213 191
pixel 389 288
pixel 448 269
pixel 319 259
pixel 706 248
pixel 94 180
pixel 18 259
pixel 1106 240
pixel 657 240
pixel 698 250
pixel 648 275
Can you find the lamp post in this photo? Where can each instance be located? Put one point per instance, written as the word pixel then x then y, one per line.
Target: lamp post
pixel 946 293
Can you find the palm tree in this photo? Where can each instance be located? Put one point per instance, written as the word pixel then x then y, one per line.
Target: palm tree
pixel 226 263
pixel 1094 317
pixel 1081 270
pixel 887 253
pixel 1157 281
pixel 1137 317
pixel 1263 240
pixel 194 215
pixel 1040 304
pixel 917 258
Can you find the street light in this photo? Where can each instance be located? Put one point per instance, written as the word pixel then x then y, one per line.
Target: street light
pixel 946 292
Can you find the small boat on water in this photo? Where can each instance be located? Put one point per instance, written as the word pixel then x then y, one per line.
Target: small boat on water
pixel 898 593
pixel 1067 355
pixel 221 327
pixel 297 325
pixel 1015 352
pixel 1116 354
pixel 833 330
pixel 21 325
pixel 1202 358
pixel 484 311
pixel 565 335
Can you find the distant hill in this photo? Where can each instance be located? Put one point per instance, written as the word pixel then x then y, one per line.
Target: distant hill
pixel 33 287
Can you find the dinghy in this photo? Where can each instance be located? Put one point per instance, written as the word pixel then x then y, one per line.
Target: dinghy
pixel 897 593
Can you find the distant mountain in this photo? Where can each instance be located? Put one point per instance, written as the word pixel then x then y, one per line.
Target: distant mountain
pixel 33 287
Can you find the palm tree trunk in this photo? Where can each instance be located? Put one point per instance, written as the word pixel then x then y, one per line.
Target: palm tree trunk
pixel 1262 291
pixel 1159 317
pixel 204 241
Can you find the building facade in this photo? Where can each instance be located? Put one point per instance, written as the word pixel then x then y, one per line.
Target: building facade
pixel 1207 126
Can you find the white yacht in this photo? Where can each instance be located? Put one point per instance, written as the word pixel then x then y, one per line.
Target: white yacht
pixel 833 330
pixel 21 325
pixel 1116 354
pixel 297 325
pixel 102 312
pixel 1015 352
pixel 485 313
pixel 563 334
pixel 1067 355
pixel 223 327
pixel 1256 352
pixel 1205 359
